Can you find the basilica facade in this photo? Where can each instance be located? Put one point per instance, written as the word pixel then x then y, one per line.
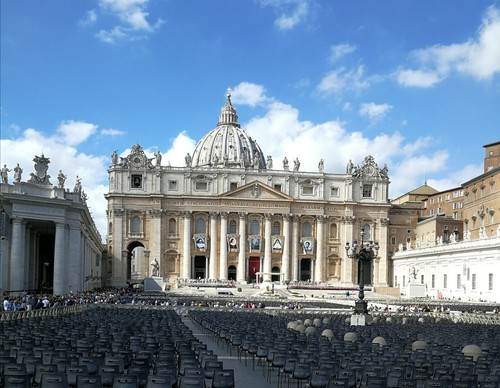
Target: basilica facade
pixel 232 213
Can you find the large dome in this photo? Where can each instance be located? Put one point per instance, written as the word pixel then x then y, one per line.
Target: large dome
pixel 227 145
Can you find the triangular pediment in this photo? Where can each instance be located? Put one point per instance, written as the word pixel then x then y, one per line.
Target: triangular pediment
pixel 257 190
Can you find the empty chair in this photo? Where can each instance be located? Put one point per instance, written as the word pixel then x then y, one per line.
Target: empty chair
pixel 90 363
pixel 141 371
pixel 54 380
pixel 320 378
pixel 73 371
pixel 41 369
pixel 19 381
pixel 191 382
pixel 88 381
pixel 337 382
pixel 14 369
pixel 107 373
pixel 223 378
pixel 160 382
pixel 120 361
pixel 211 367
pixel 122 381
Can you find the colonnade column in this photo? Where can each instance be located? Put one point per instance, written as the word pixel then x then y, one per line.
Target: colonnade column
pixel 186 250
pixel 320 250
pixel 285 258
pixel 155 247
pixel 17 259
pixel 240 272
pixel 212 270
pixel 267 248
pixel 347 275
pixel 59 263
pixel 382 267
pixel 119 265
pixel 295 246
pixel 75 270
pixel 223 246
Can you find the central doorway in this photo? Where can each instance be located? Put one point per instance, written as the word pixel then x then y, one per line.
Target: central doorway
pixel 305 270
pixel 253 268
pixel 200 263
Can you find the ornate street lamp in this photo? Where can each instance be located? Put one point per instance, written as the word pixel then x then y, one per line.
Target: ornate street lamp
pixel 364 254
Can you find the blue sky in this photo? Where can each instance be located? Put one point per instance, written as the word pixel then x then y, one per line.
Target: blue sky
pixel 416 84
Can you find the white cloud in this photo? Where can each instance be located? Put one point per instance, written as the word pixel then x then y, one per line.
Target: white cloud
pixel 112 132
pixel 290 12
pixel 247 93
pixel 374 111
pixel 340 80
pixel 478 57
pixel 341 50
pixel 75 132
pixel 132 16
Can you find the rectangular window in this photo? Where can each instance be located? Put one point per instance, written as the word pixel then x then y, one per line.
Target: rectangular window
pixel 334 191
pixel 201 186
pixel 367 191
pixel 395 280
pixel 490 282
pixel 473 281
pixel 433 281
pixel 307 190
pixel 445 281
pixel 459 282
pixel 393 240
pixel 421 279
pixel 233 185
pixel 172 185
pixel 277 187
pixel 136 181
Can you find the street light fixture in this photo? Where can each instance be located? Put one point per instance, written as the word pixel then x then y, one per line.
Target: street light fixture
pixel 364 254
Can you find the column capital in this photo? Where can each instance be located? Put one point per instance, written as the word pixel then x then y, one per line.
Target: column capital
pixel 321 218
pixel 156 213
pixel 242 215
pixel 348 219
pixel 213 215
pixel 224 215
pixel 384 221
pixel 296 217
pixel 287 217
pixel 185 214
pixel 268 216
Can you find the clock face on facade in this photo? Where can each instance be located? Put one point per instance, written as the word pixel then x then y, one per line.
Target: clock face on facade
pixel 369 170
pixel 137 160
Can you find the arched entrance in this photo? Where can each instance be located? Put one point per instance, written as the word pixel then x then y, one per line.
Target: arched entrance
pixel 305 270
pixel 136 263
pixel 276 277
pixel 231 273
pixel 200 267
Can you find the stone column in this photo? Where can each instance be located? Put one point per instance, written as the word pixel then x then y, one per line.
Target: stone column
pixel 60 285
pixel 346 267
pixel 16 257
pixel 295 248
pixel 223 246
pixel 75 274
pixel 186 247
pixel 119 265
pixel 241 271
pixel 267 247
pixel 382 267
pixel 285 257
pixel 156 237
pixel 213 246
pixel 319 273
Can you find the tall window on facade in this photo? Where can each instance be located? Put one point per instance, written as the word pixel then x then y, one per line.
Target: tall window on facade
pixel 367 191
pixel 199 227
pixel 473 281
pixel 254 227
pixel 490 282
pixel 333 231
pixel 433 281
pixel 306 229
pixel 445 281
pixel 459 282
pixel 172 226
pixel 276 228
pixel 368 236
pixel 135 225
pixel 232 227
pixel 110 228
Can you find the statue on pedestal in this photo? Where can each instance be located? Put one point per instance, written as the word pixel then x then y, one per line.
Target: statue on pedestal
pixel 155 268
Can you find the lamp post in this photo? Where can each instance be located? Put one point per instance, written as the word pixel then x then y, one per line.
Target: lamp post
pixel 364 253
